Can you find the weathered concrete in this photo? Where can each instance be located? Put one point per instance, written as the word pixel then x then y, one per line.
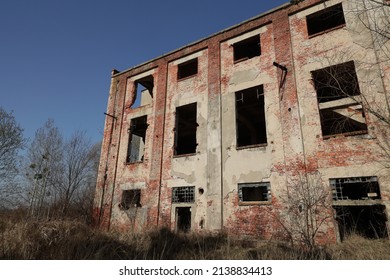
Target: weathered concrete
pixel 295 144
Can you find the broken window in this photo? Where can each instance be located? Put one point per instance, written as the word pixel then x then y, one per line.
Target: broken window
pixel 183 219
pixel 185 130
pixel 338 96
pixel 143 92
pixel 183 194
pixel 325 19
pixel 187 69
pixel 367 221
pixel 130 199
pixel 248 192
pixel 356 188
pixel 137 135
pixel 247 48
pixel 250 117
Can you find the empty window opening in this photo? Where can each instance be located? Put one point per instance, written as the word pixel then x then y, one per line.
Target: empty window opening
pixel 338 96
pixel 183 219
pixel 137 135
pixel 325 19
pixel 248 192
pixel 336 82
pixel 183 194
pixel 247 48
pixel 143 92
pixel 187 69
pixel 185 130
pixel 130 199
pixel 250 117
pixel 357 188
pixel 367 221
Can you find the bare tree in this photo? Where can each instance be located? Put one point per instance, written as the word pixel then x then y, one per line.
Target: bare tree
pixel 60 172
pixel 45 162
pixel 11 141
pixel 307 211
pixel 78 169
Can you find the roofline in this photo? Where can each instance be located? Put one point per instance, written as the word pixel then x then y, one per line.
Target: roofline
pixel 283 6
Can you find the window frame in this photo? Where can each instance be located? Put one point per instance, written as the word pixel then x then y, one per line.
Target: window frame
pixel 263 193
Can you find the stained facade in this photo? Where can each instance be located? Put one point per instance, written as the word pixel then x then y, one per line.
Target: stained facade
pixel 214 135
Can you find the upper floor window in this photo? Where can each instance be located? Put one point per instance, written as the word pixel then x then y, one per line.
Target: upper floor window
pixel 137 135
pixel 185 129
pixel 247 48
pixel 250 117
pixel 187 69
pixel 339 100
pixel 325 19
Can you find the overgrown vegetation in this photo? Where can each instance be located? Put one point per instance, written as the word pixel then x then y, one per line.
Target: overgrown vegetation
pixel 58 240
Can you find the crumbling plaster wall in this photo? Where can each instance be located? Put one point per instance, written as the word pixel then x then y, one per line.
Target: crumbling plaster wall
pixel 340 156
pixel 294 140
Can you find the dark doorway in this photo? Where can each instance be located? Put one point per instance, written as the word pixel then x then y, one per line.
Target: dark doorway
pixel 367 221
pixel 183 219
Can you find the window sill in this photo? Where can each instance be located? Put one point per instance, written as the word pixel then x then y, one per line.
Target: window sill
pixel 134 162
pixel 252 146
pixel 188 77
pixel 244 59
pixel 252 203
pixel 361 132
pixel 184 155
pixel 326 31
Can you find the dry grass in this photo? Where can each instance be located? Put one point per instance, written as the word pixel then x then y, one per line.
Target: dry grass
pixel 75 240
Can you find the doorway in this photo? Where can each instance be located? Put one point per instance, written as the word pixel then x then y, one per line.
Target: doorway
pixel 183 219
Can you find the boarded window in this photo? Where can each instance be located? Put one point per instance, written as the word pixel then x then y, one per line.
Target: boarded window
pixel 251 192
pixel 356 188
pixel 187 69
pixel 185 130
pixel 143 92
pixel 130 199
pixel 183 194
pixel 247 48
pixel 250 117
pixel 338 95
pixel 137 136
pixel 325 19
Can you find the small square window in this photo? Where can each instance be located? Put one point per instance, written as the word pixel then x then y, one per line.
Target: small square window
pixel 325 19
pixel 254 192
pixel 247 49
pixel 187 69
pixel 130 199
pixel 183 194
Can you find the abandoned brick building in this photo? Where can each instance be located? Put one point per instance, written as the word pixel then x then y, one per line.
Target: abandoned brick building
pixel 216 135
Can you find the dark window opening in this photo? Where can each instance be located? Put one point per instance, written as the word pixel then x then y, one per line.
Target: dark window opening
pixel 183 219
pixel 367 221
pixel 185 130
pixel 183 194
pixel 247 48
pixel 347 120
pixel 143 92
pixel 250 117
pixel 137 135
pixel 325 19
pixel 339 83
pixel 253 192
pixel 336 82
pixel 130 199
pixel 187 69
pixel 357 188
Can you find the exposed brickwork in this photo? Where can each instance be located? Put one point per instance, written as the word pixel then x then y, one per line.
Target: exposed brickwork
pixel 295 145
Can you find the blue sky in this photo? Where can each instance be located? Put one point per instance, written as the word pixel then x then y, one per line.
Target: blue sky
pixel 56 56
